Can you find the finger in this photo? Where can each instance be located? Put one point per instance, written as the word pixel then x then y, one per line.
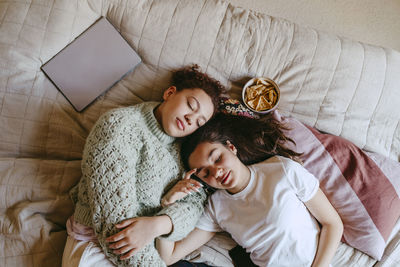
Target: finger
pixel 193 187
pixel 190 188
pixel 118 244
pixel 116 237
pixel 194 190
pixel 123 250
pixel 129 254
pixel 124 223
pixel 189 173
pixel 195 183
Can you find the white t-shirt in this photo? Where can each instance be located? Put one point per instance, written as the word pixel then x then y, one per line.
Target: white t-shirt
pixel 268 218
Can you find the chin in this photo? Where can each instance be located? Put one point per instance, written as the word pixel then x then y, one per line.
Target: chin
pixel 176 133
pixel 170 132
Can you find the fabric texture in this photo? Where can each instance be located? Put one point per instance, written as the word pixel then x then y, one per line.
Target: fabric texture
pixel 364 187
pixel 268 217
pixel 183 263
pixel 127 164
pixel 80 231
pixel 333 84
pixel 84 254
pixel 215 252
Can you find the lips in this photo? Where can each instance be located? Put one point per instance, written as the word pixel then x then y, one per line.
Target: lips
pixel 180 124
pixel 225 178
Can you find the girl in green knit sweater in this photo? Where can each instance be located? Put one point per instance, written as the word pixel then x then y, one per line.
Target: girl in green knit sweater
pixel 129 161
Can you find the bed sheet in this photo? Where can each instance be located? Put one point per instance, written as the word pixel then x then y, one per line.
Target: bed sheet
pixel 337 85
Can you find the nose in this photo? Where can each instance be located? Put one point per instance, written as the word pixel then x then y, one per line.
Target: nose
pixel 188 119
pixel 216 171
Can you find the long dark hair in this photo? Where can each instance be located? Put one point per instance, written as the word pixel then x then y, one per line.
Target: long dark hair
pixel 255 139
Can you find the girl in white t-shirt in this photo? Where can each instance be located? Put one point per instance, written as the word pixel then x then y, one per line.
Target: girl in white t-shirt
pixel 271 208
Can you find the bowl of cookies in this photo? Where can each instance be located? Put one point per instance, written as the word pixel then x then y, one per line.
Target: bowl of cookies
pixel 261 95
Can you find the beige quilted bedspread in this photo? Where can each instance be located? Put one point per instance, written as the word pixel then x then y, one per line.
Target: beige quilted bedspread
pixel 338 85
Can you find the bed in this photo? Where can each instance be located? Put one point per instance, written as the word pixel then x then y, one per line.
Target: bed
pixel 333 84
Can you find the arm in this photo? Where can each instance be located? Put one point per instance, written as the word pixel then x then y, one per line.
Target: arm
pixel 136 232
pixel 184 214
pixel 181 189
pixel 331 231
pixel 172 252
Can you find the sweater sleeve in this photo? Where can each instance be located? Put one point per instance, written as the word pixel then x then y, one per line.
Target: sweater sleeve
pixel 107 165
pixel 184 215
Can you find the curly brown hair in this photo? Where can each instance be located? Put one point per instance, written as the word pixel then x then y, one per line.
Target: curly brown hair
pixel 191 77
pixel 255 139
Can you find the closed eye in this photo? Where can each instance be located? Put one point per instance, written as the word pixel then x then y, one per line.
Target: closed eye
pixel 193 103
pixel 190 105
pixel 200 122
pixel 206 173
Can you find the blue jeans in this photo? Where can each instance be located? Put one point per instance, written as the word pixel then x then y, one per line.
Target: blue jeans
pixel 183 263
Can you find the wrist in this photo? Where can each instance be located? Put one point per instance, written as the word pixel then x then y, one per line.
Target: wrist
pixel 163 225
pixel 165 202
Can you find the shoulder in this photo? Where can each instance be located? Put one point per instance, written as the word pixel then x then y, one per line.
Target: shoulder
pixel 123 112
pixel 116 123
pixel 113 117
pixel 216 196
pixel 213 199
pixel 289 164
pixel 132 115
pixel 277 162
pixel 285 168
pixel 294 171
pixel 299 178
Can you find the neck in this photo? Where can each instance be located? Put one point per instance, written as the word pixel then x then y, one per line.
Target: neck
pixel 243 183
pixel 157 113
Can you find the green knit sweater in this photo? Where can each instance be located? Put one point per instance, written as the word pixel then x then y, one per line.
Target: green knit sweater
pixel 128 163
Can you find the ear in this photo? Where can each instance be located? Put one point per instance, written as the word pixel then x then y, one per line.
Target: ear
pixel 169 92
pixel 231 147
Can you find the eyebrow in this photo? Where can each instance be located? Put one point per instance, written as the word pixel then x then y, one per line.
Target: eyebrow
pixel 209 156
pixel 198 107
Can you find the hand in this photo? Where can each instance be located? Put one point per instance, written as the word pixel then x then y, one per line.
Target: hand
pixel 136 234
pixel 181 189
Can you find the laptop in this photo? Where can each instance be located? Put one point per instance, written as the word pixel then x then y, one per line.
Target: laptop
pixel 91 64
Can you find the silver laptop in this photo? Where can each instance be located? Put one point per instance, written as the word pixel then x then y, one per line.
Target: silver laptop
pixel 91 64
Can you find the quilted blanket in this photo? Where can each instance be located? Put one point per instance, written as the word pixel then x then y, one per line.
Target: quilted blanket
pixel 337 85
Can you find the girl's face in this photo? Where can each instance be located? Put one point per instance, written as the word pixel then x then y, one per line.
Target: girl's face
pixel 183 112
pixel 218 166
